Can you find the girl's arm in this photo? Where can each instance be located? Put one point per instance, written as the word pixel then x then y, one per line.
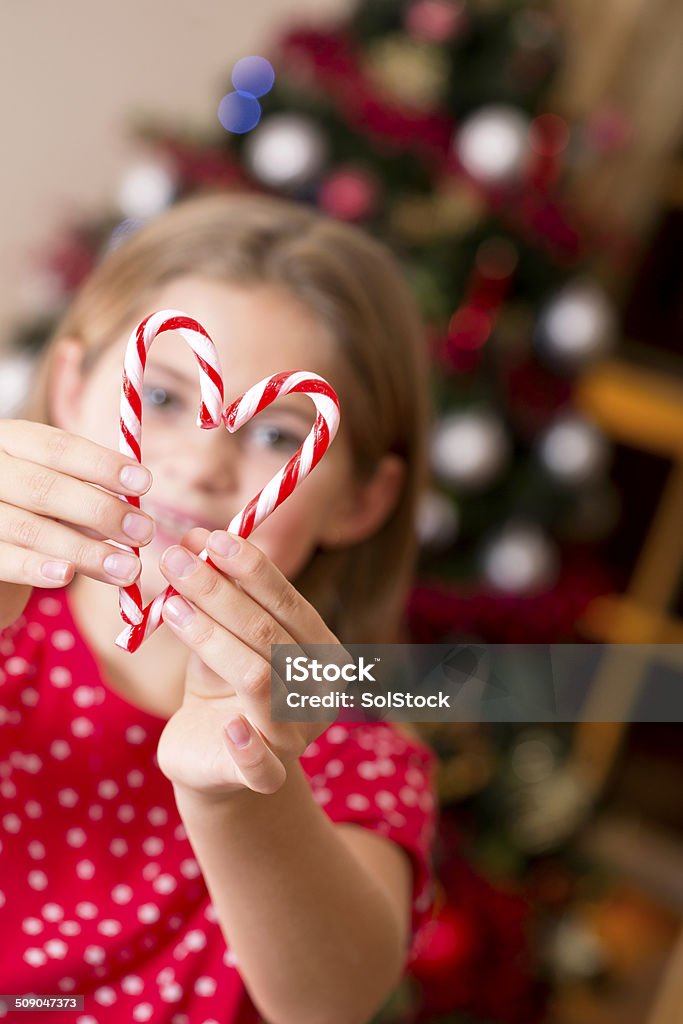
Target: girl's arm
pixel 317 913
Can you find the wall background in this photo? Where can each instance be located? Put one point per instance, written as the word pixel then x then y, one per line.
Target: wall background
pixel 70 76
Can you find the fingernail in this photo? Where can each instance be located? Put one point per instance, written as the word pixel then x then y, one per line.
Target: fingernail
pixel 178 611
pixel 55 570
pixel 135 478
pixel 223 544
pixel 179 561
pixel 138 527
pixel 122 567
pixel 238 732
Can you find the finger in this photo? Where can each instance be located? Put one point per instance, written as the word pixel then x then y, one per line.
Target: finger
pixel 243 670
pixel 208 589
pixel 73 455
pixel 259 767
pixel 268 587
pixel 22 566
pixel 54 541
pixel 47 492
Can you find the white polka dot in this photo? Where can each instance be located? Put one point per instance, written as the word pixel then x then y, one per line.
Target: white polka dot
pixel 95 812
pixel 396 818
pixel 334 768
pixel 63 639
pixel 157 816
pixel 322 796
pixel 119 847
pixel 135 734
pixel 385 800
pixel 82 727
pixel 164 884
pixel 16 666
pixel 229 958
pixel 66 984
pixel 205 986
pixel 94 954
pixel 386 767
pixel 135 778
pixel 60 749
pixel 126 812
pixel 56 949
pixel 32 926
pixel 69 928
pixel 67 797
pixel 152 846
pixel 151 870
pixel 148 913
pixel 107 789
pixel 75 837
pixel 414 777
pixel 35 631
pixel 367 770
pixel 86 910
pixel 60 677
pixel 52 912
pixel 122 894
pixel 132 984
pixel 86 1018
pixel 29 697
pixel 179 832
pixel 195 939
pixel 37 880
pixel 84 696
pixel 210 913
pixel 49 605
pixel 408 796
pixel 143 1011
pixel 181 951
pixel 180 1018
pixel 312 750
pixel 105 995
pixel 35 957
pixel 11 822
pixel 357 802
pixel 336 734
pixel 8 789
pixel 33 809
pixel 189 868
pixel 85 869
pixel 109 927
pixel 171 993
pixel 165 976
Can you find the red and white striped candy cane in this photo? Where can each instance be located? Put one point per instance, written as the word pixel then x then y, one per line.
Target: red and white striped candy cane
pixel 278 488
pixel 130 433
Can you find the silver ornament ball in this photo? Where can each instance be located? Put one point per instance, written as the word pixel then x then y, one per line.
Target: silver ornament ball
pixel 469 449
pixel 493 143
pixel 286 151
pixel 521 559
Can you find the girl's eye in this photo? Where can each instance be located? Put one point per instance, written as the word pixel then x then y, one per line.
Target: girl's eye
pixel 271 436
pixel 160 398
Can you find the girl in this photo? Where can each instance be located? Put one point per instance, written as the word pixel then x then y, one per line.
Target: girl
pixel 168 852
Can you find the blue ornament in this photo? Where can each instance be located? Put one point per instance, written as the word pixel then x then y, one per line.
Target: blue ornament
pixel 254 75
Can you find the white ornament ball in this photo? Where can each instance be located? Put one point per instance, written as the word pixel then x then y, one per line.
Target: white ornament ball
pixel 573 450
pixel 16 374
pixel 493 143
pixel 577 326
pixel 469 449
pixel 146 189
pixel 521 559
pixel 286 151
pixel 437 520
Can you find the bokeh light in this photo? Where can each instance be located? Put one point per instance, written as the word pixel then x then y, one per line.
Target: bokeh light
pixel 253 75
pixel 239 112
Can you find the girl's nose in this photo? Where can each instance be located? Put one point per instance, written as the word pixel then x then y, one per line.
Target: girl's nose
pixel 208 460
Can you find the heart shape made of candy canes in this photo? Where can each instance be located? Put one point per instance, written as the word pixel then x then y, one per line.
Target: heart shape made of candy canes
pixel 143 621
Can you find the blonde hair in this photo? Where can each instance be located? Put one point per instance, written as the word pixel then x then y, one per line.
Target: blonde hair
pixel 353 284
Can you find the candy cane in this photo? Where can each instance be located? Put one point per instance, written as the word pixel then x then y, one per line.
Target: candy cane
pixel 276 490
pixel 130 434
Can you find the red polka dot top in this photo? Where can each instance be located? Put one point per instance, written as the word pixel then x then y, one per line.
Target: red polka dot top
pixel 100 894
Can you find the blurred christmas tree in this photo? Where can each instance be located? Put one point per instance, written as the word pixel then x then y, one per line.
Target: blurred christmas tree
pixel 427 122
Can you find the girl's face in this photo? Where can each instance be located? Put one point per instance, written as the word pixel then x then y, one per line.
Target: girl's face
pixel 204 477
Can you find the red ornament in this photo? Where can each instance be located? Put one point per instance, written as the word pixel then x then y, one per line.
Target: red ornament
pixel 453 945
pixel 435 21
pixel 349 193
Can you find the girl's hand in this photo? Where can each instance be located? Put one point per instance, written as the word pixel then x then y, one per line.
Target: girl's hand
pixel 228 617
pixel 57 511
